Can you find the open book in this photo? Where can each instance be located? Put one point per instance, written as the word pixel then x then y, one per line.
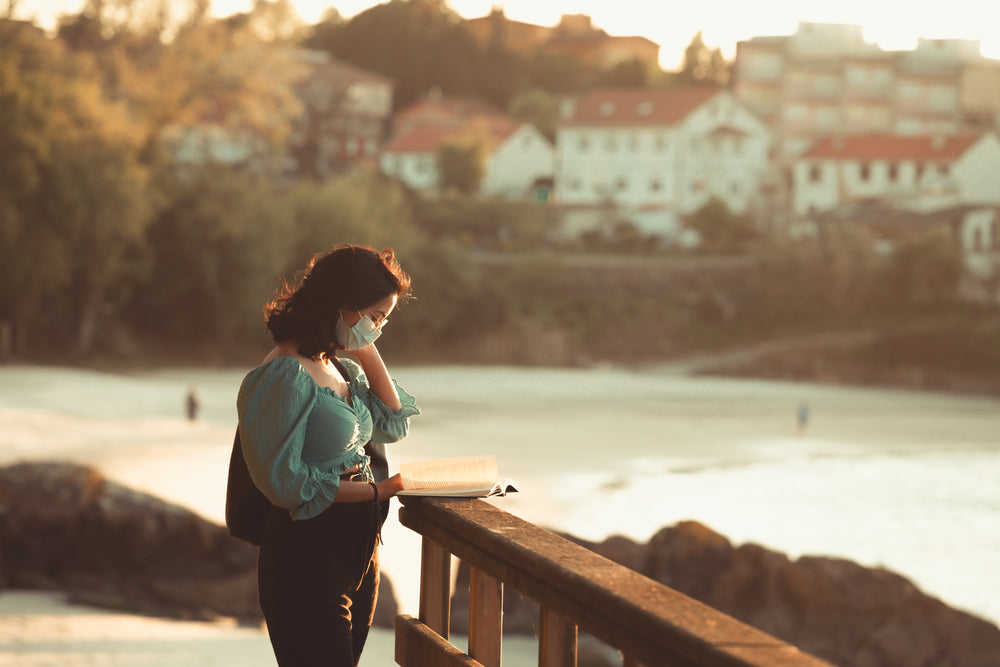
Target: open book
pixel 467 476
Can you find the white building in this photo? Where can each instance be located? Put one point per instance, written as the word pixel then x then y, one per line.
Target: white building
pixel 518 155
pixel 915 172
pixel 656 155
pixel 519 163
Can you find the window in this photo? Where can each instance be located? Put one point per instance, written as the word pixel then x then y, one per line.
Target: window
pixel 865 172
pixel 655 185
pixel 893 172
pixel 815 173
pixel 583 142
pixel 621 183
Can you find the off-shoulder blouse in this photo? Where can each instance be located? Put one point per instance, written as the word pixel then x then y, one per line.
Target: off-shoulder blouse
pixel 299 436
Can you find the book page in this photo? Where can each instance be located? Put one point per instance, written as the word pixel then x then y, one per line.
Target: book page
pixel 462 471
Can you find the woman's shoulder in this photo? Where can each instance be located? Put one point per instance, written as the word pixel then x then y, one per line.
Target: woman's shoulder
pixel 281 369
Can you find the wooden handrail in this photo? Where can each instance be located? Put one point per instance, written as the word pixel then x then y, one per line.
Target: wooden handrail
pixel 577 590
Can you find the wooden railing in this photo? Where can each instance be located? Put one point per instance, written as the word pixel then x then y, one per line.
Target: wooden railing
pixel 577 591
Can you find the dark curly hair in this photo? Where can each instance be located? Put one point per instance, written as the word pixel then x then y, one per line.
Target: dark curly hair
pixel 351 277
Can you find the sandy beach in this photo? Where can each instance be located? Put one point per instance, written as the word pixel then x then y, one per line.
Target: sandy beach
pixel 566 435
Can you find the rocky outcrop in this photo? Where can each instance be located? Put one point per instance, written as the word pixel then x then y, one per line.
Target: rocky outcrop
pixel 845 613
pixel 66 527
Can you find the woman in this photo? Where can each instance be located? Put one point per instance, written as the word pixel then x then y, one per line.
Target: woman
pixel 305 418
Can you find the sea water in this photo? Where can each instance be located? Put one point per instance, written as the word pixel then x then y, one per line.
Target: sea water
pixel 897 479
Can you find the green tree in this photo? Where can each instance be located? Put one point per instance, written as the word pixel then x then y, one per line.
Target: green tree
pixel 176 68
pixel 217 245
pixel 461 163
pixel 849 276
pixel 558 73
pixel 421 44
pixel 925 269
pixel 702 65
pixel 74 205
pixel 721 230
pixel 537 107
pixel 627 74
pixel 358 208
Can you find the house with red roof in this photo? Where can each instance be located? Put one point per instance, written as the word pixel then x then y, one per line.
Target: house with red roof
pixel 917 172
pixel 653 156
pixel 518 156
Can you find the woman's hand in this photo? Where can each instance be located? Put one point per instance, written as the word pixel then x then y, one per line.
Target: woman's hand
pixel 387 488
pixel 378 376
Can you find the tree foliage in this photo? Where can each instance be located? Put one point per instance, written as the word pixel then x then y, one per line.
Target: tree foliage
pixel 461 164
pixel 926 269
pixel 421 44
pixel 538 107
pixel 719 229
pixel 73 201
pixel 703 65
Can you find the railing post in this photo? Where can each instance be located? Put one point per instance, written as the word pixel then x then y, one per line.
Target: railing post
pixel 557 640
pixel 435 587
pixel 485 618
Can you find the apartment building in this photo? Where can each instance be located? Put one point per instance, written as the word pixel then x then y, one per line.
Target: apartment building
pixel 826 79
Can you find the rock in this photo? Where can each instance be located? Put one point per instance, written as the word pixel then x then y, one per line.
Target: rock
pixel 847 614
pixel 66 527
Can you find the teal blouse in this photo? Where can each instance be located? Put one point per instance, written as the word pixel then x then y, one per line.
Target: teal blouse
pixel 298 436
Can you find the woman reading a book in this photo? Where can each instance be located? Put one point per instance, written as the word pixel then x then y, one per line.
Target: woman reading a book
pixel 313 429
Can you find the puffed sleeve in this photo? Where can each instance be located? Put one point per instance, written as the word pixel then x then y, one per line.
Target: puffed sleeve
pixel 387 425
pixel 273 405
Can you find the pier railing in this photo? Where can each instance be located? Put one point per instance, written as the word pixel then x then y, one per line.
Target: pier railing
pixel 576 590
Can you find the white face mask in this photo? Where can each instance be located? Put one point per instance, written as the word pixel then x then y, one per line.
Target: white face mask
pixel 362 334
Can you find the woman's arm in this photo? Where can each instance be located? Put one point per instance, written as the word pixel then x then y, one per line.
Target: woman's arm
pixel 378 376
pixel 361 492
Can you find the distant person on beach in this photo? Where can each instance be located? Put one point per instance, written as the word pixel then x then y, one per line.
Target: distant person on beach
pixel 192 404
pixel 313 429
pixel 802 417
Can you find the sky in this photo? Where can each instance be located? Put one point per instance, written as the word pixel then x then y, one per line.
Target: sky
pixel 892 24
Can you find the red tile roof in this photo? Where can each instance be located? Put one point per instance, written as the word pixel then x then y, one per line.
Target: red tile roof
pixel 428 138
pixel 632 107
pixel 892 147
